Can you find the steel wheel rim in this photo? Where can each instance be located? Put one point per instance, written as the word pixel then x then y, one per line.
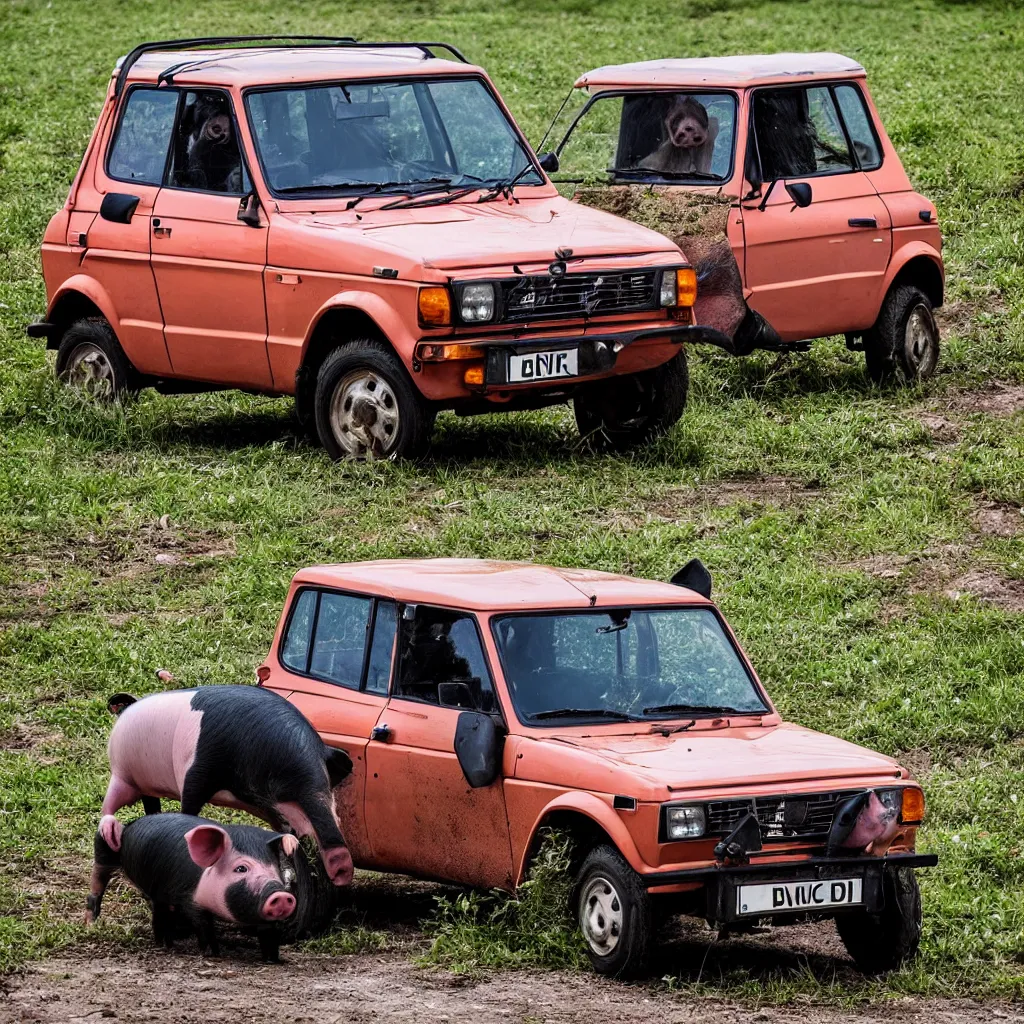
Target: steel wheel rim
pixel 89 368
pixel 364 415
pixel 919 341
pixel 601 915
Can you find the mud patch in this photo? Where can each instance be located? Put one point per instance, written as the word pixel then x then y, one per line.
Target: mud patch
pixel 882 567
pixel 942 430
pixel 998 519
pixel 985 585
pixel 966 317
pixel 175 989
pixel 742 491
pixel 27 736
pixel 998 399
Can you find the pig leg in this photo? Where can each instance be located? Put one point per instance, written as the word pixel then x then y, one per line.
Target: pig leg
pixel 101 875
pixel 206 934
pixel 196 792
pixel 163 925
pixel 151 804
pixel 119 794
pixel 106 861
pixel 270 945
pixel 313 817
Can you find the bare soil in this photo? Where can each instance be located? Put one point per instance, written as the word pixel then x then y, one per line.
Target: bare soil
pixel 744 491
pixel 184 989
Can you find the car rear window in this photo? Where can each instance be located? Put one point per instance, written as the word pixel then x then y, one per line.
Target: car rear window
pixel 858 124
pixel 139 152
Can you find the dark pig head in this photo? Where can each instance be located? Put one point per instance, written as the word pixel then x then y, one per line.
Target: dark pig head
pixel 242 877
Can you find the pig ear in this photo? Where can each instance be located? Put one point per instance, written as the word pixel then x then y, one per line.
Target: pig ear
pixel 207 844
pixel 289 843
pixel 339 765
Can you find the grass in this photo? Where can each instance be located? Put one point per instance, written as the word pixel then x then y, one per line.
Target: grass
pixel 845 526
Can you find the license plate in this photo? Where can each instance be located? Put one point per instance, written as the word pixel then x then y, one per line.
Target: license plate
pixel 773 897
pixel 543 365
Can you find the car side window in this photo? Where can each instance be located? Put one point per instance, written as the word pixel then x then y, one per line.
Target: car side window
pixel 858 126
pixel 382 648
pixel 339 639
pixel 798 133
pixel 139 152
pixel 294 651
pixel 206 155
pixel 442 660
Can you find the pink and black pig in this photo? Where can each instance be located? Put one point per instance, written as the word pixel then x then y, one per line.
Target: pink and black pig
pixel 237 746
pixel 194 871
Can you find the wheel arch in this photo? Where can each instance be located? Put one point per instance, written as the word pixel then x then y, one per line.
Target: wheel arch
pixel 919 265
pixel 588 821
pixel 77 298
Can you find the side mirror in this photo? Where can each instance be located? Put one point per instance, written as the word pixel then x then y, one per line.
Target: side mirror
pixel 800 193
pixel 549 162
pixel 249 210
pixel 118 207
pixel 478 746
pixel 694 576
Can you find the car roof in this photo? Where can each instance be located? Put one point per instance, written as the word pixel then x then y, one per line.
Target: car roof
pixel 275 65
pixel 486 585
pixel 737 70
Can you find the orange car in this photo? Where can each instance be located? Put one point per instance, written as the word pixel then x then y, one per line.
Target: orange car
pixel 362 226
pixel 827 235
pixel 483 701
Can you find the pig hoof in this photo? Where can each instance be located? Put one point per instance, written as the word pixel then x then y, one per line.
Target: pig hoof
pixel 92 909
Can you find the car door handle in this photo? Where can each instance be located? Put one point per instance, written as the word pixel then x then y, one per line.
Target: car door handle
pixel 862 222
pixel 161 231
pixel 381 733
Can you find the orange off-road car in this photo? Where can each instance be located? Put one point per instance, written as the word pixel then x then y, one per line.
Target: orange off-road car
pixel 362 226
pixel 482 702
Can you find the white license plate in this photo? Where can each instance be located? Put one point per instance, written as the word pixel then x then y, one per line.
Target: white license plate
pixel 774 897
pixel 543 365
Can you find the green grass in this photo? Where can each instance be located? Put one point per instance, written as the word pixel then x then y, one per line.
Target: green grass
pixel 837 574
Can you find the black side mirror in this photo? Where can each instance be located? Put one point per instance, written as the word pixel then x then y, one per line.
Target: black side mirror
pixel 799 192
pixel 455 695
pixel 478 746
pixel 249 210
pixel 549 162
pixel 118 207
pixel 694 576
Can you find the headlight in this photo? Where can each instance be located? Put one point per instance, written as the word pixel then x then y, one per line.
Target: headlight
pixel 678 287
pixel 684 823
pixel 476 303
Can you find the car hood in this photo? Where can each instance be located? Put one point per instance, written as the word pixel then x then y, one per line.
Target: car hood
pixel 467 235
pixel 735 757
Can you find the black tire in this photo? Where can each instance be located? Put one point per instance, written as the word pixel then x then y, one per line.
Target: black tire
pixel 91 359
pixel 882 942
pixel 367 407
pixel 613 911
pixel 903 344
pixel 621 413
pixel 316 897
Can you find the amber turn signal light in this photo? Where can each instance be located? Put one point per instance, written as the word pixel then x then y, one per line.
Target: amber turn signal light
pixel 474 376
pixel 435 306
pixel 686 286
pixel 912 811
pixel 436 352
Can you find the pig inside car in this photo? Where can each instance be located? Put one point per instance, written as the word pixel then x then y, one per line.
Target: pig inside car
pixel 194 871
pixel 236 746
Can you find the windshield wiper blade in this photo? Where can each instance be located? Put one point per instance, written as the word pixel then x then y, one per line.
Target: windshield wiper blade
pixel 366 187
pixel 417 201
pixel 505 187
pixel 619 716
pixel 698 709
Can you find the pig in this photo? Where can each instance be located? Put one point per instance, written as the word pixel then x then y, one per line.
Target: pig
pixel 237 746
pixel 193 870
pixel 864 823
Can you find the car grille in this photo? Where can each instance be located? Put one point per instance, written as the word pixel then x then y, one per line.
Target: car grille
pixel 542 297
pixel 805 816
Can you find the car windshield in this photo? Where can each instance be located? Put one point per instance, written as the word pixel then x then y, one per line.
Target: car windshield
pixel 652 136
pixel 623 664
pixel 388 137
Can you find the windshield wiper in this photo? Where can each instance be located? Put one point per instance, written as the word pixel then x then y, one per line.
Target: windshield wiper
pixel 698 709
pixel 505 187
pixel 619 716
pixel 416 202
pixel 643 174
pixel 366 187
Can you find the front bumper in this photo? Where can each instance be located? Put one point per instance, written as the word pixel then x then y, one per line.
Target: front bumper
pixel 721 883
pixel 598 353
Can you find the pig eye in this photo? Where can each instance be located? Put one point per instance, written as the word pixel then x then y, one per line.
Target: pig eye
pixel 241 869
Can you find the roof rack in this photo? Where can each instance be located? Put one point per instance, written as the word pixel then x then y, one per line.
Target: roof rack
pixel 285 40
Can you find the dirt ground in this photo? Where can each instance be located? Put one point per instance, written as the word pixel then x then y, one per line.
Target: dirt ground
pixel 182 989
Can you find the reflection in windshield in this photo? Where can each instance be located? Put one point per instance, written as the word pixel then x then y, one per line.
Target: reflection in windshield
pixel 624 664
pixel 653 136
pixel 385 136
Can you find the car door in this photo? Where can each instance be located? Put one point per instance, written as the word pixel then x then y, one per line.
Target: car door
pixel 815 270
pixel 208 264
pixel 334 664
pixel 422 815
pixel 125 186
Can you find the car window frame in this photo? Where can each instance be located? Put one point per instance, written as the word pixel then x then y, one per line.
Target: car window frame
pixel 116 133
pixel 831 85
pixel 371 626
pixel 370 80
pixel 697 182
pixel 396 661
pixel 562 723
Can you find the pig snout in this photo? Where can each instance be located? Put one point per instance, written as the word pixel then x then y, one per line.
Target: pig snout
pixel 278 906
pixel 338 862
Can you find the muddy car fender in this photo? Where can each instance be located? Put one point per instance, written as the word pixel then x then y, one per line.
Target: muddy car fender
pixel 930 280
pixel 600 811
pixel 89 288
